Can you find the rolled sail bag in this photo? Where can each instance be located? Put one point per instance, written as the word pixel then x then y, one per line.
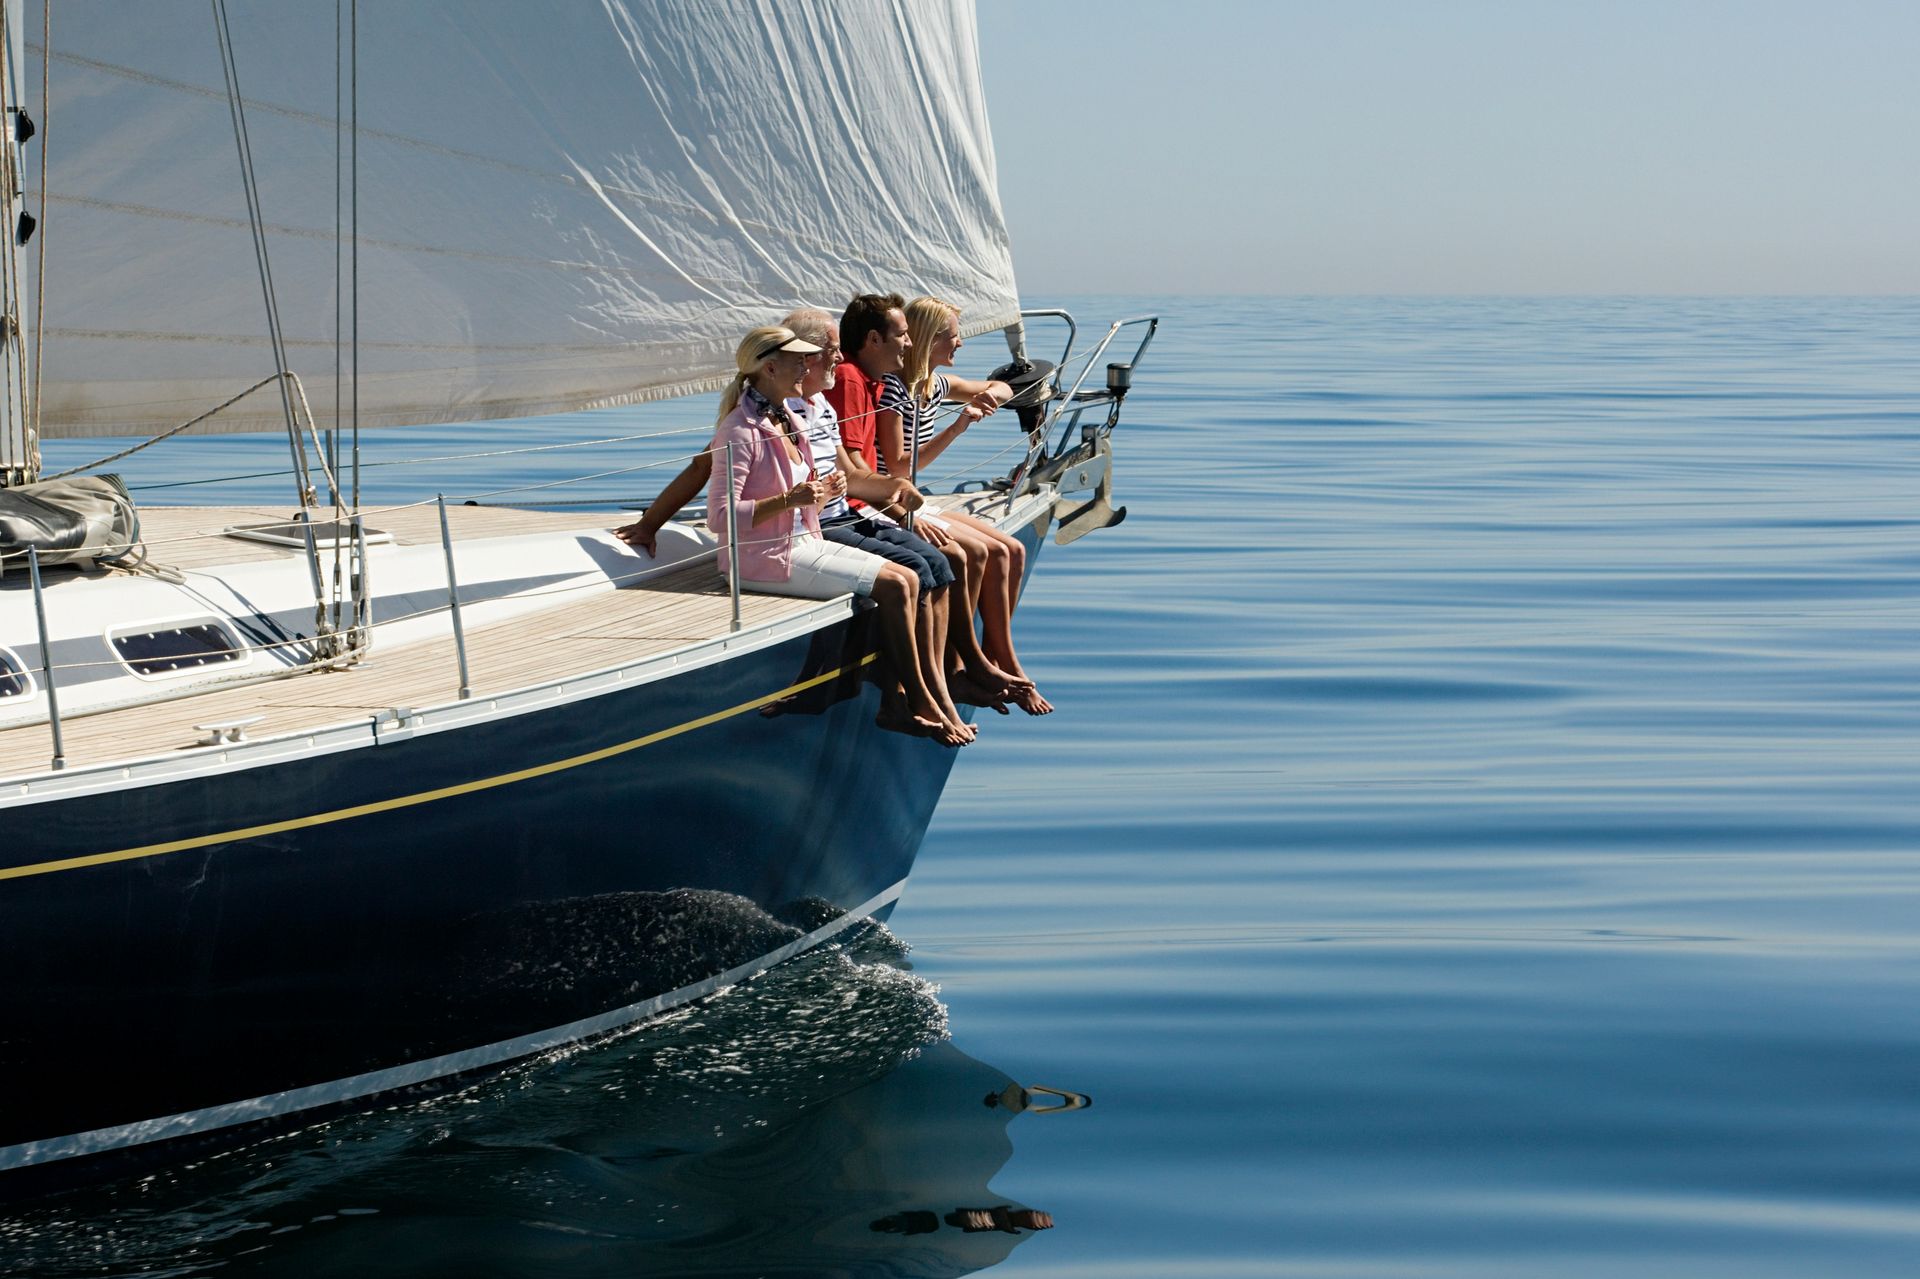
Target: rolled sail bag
pixel 88 517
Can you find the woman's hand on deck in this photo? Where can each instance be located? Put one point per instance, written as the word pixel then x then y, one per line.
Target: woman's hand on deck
pixel 638 534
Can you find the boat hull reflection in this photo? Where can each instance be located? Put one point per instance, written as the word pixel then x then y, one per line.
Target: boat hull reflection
pixel 766 1131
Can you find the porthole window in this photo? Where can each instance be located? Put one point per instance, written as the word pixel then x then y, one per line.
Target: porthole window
pixel 177 648
pixel 14 681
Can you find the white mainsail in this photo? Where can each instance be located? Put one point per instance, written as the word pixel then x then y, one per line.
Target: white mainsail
pixel 560 206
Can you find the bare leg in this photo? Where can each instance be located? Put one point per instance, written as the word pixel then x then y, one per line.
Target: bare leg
pixel 1006 561
pixel 896 592
pixel 1016 552
pixel 969 571
pixel 931 635
pixel 987 681
pixel 939 601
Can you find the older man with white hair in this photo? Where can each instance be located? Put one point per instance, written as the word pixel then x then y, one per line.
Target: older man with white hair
pixel 871 532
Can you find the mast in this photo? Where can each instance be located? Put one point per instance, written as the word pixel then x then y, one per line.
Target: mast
pixel 19 448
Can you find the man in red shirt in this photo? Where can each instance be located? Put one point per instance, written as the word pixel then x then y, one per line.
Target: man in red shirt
pixel 873 333
pixel 874 339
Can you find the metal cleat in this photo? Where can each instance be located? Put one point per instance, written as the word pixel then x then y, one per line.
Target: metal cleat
pixel 223 731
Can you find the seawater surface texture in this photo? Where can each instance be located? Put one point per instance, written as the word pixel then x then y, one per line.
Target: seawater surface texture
pixel 1479 837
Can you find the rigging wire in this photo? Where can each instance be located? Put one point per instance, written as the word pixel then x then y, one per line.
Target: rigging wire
pixel 339 119
pixel 40 280
pixel 581 583
pixel 170 432
pixel 256 219
pixel 331 450
pixel 943 414
pixel 15 365
pixel 398 461
pixel 353 143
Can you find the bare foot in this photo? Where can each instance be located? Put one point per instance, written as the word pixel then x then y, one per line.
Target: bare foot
pixel 992 675
pixel 953 734
pixel 1029 700
pixel 911 725
pixel 954 730
pixel 969 690
pixel 1010 670
pixel 921 726
pixel 943 702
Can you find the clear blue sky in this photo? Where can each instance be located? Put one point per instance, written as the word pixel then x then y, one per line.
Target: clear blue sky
pixel 1457 146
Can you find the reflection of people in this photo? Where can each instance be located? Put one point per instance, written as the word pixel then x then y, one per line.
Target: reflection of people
pixel 1020 1100
pixel 775 498
pixel 1005 1218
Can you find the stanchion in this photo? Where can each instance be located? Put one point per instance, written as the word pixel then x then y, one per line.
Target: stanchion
pixel 733 542
pixel 46 661
pixel 362 588
pixel 913 469
pixel 453 599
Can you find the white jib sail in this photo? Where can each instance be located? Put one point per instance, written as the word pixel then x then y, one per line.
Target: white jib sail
pixel 560 206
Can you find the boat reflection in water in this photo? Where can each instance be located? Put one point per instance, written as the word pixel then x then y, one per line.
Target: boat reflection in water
pixel 815 1121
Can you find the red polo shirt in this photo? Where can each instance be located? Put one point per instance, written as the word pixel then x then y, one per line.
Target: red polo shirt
pixel 852 397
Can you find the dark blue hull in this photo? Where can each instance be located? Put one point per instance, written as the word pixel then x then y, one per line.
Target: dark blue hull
pixel 371 919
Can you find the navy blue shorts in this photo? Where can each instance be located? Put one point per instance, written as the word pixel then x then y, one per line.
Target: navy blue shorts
pixel 890 542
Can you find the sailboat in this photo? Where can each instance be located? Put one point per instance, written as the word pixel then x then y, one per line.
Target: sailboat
pixel 314 803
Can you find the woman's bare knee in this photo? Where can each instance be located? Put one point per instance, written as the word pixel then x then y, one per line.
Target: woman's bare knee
pixel 895 585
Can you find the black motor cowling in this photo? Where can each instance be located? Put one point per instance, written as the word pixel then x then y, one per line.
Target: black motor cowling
pixel 1032 383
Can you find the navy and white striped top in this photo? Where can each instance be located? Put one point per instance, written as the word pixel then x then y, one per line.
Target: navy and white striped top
pixel 917 419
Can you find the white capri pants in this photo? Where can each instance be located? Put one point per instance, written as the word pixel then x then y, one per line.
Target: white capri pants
pixel 822 570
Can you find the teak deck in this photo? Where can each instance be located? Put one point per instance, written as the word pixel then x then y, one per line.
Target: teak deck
pixel 576 636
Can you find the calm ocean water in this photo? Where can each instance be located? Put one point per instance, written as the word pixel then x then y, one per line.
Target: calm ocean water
pixel 1480 836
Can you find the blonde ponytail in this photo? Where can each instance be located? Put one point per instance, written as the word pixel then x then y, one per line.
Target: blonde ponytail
pixel 925 318
pixel 730 397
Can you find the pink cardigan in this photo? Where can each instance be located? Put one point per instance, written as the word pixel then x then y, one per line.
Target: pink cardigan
pixel 762 468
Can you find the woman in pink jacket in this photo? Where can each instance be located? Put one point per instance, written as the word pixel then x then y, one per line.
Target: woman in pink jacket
pixel 776 501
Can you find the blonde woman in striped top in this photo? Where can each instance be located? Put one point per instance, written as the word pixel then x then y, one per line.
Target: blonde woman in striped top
pixel 909 403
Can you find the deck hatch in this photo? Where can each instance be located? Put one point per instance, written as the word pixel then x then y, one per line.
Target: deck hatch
pixel 14 681
pixel 328 535
pixel 169 649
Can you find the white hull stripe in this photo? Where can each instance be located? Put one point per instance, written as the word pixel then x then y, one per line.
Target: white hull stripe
pixel 213 1118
